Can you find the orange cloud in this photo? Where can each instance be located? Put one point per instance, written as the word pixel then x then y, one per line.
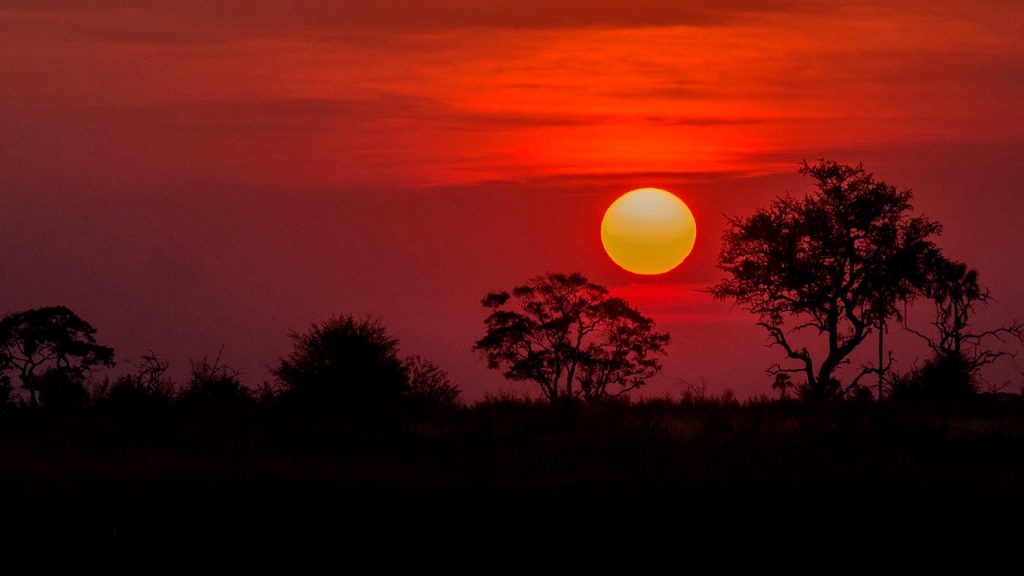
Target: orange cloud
pixel 429 93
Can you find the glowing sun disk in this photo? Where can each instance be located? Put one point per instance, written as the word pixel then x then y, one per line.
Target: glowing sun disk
pixel 648 231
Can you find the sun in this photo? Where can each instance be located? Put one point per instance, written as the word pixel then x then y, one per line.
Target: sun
pixel 648 231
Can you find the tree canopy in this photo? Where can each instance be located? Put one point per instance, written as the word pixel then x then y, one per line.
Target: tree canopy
pixel 571 337
pixel 51 340
pixel 835 263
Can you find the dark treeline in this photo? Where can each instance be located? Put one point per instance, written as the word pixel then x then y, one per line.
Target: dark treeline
pixel 47 356
pixel 315 468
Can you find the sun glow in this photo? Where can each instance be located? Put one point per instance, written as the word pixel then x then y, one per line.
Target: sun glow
pixel 648 231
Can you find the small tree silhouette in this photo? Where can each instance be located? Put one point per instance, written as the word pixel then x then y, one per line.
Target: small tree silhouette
pixel 562 330
pixel 44 340
pixel 782 382
pixel 960 352
pixel 837 261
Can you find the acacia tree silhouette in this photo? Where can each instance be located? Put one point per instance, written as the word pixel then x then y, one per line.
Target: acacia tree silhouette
pixel 51 340
pixel 561 329
pixel 838 261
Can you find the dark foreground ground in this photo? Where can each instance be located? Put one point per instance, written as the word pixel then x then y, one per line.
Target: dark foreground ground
pixel 516 486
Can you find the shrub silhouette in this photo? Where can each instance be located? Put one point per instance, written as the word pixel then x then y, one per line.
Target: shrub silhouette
pixel 214 385
pixel 945 377
pixel 344 361
pixel 428 384
pixel 61 390
pixel 142 397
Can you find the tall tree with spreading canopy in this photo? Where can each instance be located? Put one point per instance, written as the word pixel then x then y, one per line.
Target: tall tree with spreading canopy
pixel 51 340
pixel 835 263
pixel 569 336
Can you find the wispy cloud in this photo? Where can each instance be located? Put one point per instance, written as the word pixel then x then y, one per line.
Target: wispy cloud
pixel 247 18
pixel 461 91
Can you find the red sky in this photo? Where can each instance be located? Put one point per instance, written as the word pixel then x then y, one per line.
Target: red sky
pixel 192 174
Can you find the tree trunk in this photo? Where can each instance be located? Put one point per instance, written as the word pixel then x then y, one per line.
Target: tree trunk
pixel 957 328
pixel 551 389
pixel 824 379
pixel 553 393
pixel 828 366
pixel 568 383
pixel 881 367
pixel 820 387
pixel 571 374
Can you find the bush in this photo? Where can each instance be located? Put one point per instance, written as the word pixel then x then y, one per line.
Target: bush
pixel 946 377
pixel 214 385
pixel 142 396
pixel 344 361
pixel 61 391
pixel 428 384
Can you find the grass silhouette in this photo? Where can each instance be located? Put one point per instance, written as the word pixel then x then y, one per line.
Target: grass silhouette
pixel 613 483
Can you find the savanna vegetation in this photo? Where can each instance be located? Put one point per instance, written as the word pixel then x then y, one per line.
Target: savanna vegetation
pixel 360 450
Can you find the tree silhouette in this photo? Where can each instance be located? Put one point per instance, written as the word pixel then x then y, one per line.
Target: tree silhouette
pixel 563 331
pixel 956 293
pixel 344 361
pixel 782 382
pixel 44 340
pixel 837 262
